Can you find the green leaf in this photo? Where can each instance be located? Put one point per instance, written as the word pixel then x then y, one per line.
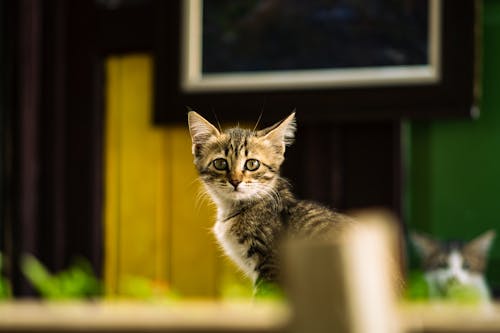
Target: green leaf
pixel 269 291
pixel 40 277
pixel 78 281
pixel 417 288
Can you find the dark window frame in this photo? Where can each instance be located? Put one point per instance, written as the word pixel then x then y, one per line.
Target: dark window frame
pixel 453 96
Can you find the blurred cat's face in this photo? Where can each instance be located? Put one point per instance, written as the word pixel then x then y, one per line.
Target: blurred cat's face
pixel 239 164
pixel 452 262
pixel 452 266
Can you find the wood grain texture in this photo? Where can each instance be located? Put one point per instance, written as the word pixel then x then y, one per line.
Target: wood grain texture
pixel 134 217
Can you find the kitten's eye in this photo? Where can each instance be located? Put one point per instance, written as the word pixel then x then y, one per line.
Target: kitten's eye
pixel 252 164
pixel 220 164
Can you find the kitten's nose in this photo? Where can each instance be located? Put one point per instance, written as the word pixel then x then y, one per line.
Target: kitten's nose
pixel 235 182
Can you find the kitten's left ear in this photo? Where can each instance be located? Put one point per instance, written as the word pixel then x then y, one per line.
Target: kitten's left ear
pixel 281 134
pixel 482 243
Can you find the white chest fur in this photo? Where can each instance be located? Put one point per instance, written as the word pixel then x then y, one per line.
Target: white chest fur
pixel 233 248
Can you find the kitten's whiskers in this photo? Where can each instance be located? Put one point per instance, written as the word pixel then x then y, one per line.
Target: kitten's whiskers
pixel 258 120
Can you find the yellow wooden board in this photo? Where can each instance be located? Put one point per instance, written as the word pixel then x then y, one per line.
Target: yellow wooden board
pixel 156 224
pixel 193 255
pixel 136 227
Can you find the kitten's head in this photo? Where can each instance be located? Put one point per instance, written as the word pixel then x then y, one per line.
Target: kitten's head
pixel 239 164
pixel 446 262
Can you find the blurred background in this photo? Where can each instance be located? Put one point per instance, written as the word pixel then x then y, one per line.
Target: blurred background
pixel 96 171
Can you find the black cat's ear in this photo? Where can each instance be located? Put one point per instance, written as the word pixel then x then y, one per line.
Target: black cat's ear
pixel 481 244
pixel 200 129
pixel 282 133
pixel 425 245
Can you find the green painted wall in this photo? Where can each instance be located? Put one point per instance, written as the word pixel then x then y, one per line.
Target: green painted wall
pixel 454 174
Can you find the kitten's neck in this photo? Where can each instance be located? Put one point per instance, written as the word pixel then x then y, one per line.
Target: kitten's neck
pixel 228 210
pixel 236 213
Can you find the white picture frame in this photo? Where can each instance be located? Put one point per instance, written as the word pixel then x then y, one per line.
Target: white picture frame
pixel 193 80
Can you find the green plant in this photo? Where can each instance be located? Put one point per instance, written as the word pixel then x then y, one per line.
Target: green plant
pixel 77 281
pixel 460 293
pixel 268 291
pixel 417 289
pixel 5 290
pixel 146 289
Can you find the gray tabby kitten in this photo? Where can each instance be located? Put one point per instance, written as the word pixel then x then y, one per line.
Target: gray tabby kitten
pixel 449 263
pixel 255 206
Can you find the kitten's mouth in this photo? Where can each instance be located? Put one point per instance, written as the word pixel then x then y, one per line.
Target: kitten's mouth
pixel 238 193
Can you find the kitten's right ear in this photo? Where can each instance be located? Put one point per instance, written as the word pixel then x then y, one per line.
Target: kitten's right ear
pixel 200 129
pixel 425 245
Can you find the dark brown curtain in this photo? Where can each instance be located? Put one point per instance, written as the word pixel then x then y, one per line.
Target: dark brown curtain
pixel 348 165
pixel 54 168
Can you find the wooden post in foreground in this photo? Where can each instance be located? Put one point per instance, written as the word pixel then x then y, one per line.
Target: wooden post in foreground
pixel 345 286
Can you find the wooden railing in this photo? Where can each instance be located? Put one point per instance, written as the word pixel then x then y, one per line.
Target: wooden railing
pixel 345 286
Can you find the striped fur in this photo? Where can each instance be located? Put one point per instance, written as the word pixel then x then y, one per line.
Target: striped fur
pixel 256 208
